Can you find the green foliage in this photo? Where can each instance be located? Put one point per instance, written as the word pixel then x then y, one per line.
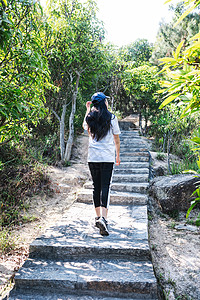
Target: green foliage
pixel 183 78
pixel 193 204
pixel 7 241
pixel 137 53
pixel 141 84
pixel 160 156
pixel 169 37
pixel 24 68
pixel 16 184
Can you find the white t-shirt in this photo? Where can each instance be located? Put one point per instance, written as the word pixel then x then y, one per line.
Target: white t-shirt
pixel 103 150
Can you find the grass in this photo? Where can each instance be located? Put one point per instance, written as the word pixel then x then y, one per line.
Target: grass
pixel 7 241
pixel 17 184
pixel 21 177
pixel 179 168
pixel 160 156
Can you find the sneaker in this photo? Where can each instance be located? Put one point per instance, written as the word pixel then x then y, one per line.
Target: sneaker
pixel 102 224
pixel 96 219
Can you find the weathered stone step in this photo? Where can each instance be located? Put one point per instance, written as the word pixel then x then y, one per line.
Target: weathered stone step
pixel 131 135
pixel 128 158
pixel 131 131
pixel 76 235
pixel 134 153
pixel 130 178
pixel 131 140
pixel 124 187
pixel 131 144
pixel 53 295
pixel 130 187
pixel 126 165
pixel 124 198
pixel 133 148
pixel 105 277
pixel 131 171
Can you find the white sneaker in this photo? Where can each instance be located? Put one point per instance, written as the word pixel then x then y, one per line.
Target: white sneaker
pixel 102 224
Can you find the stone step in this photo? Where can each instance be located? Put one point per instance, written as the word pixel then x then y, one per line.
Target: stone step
pixel 130 178
pixel 125 198
pixel 76 236
pixel 105 277
pixel 130 187
pixel 132 135
pixel 131 131
pixel 128 158
pixel 53 295
pixel 124 187
pixel 134 153
pixel 138 144
pixel 127 165
pixel 133 148
pixel 124 170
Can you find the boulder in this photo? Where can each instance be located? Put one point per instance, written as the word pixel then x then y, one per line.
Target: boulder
pixel 174 192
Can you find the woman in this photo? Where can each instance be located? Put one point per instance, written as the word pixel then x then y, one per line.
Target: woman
pixel 104 139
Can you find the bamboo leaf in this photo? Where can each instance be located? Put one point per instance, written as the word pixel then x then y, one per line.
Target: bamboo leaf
pixel 196 140
pixel 189 172
pixel 185 14
pixel 5 2
pixel 178 49
pixel 189 210
pixel 198 163
pixel 167 59
pixel 168 100
pixel 196 36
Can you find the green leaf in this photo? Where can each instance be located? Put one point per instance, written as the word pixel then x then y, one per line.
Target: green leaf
pixel 168 100
pixel 196 36
pixel 178 49
pixel 167 1
pixel 196 140
pixel 5 2
pixel 189 210
pixel 167 59
pixel 189 171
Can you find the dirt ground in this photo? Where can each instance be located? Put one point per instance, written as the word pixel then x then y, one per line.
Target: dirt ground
pixel 175 251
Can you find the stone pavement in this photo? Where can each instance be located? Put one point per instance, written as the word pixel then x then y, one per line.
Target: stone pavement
pixel 73 261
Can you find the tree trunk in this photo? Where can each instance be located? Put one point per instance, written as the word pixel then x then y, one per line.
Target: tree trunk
pixel 70 140
pixel 140 121
pixel 168 153
pixel 62 133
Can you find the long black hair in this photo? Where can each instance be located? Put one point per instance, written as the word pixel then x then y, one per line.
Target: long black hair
pixel 99 121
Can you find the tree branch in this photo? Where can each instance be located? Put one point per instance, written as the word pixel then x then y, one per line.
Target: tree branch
pixel 57 116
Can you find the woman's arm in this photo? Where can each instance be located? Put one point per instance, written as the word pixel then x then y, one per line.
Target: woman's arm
pixel 88 103
pixel 117 147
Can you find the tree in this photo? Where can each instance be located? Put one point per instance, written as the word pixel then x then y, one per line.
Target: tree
pixel 137 53
pixel 141 84
pixel 23 69
pixel 74 54
pixel 169 37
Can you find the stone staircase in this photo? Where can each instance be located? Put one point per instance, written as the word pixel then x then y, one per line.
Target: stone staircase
pixel 73 261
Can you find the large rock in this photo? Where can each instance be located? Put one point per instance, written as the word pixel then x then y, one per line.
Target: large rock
pixel 174 192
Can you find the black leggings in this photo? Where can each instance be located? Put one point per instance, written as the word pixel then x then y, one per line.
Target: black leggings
pixel 101 173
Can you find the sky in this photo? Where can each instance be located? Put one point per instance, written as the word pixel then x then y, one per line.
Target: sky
pixel 127 20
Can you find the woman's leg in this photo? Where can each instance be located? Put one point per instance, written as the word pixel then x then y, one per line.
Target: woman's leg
pixel 95 170
pixel 106 180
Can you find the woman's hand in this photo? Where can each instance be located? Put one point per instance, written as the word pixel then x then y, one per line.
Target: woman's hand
pixel 117 161
pixel 88 103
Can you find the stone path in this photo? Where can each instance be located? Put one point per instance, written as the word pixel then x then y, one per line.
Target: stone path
pixel 73 261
